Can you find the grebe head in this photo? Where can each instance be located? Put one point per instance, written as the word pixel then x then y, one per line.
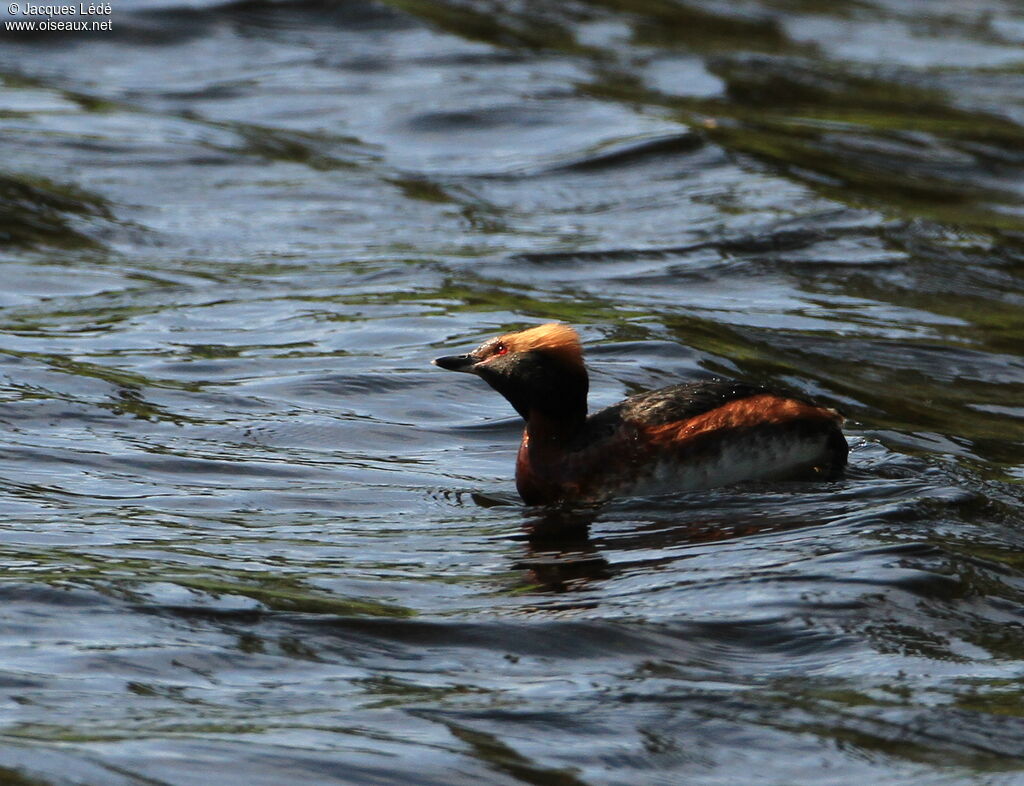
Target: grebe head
pixel 540 371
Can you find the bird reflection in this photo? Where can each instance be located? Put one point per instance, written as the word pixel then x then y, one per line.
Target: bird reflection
pixel 562 556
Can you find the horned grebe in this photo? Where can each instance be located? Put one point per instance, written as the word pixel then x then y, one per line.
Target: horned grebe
pixel 681 438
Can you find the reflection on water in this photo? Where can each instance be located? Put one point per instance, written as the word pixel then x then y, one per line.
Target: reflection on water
pixel 246 525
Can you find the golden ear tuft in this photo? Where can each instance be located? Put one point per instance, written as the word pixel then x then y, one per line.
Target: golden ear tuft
pixel 555 338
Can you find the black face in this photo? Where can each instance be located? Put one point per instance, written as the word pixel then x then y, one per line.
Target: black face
pixel 535 380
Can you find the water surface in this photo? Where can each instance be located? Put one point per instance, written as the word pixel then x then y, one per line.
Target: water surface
pixel 247 529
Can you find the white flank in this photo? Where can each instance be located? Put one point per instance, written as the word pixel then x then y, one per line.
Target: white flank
pixel 735 461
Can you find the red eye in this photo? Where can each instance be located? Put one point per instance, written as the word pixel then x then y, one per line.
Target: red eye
pixel 501 349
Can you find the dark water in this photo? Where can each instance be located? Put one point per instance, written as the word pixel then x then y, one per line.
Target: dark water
pixel 248 530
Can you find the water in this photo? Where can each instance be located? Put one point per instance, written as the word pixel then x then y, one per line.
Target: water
pixel 247 529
